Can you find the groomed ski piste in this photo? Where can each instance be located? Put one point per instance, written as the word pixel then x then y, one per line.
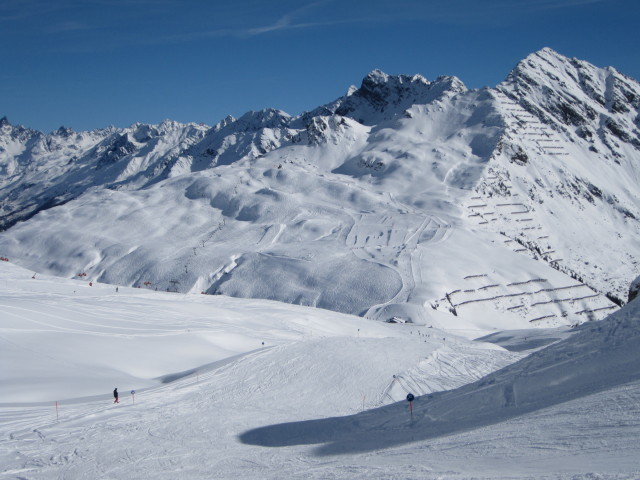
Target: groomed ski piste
pixel 241 388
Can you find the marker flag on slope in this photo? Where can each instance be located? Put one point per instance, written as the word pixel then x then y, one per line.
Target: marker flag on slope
pixel 410 399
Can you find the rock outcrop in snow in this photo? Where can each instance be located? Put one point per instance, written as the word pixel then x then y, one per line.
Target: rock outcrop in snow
pixel 381 97
pixel 634 289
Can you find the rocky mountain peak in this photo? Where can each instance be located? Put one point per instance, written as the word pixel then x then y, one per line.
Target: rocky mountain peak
pixel 64 132
pixel 375 77
pixel 228 120
pixel 382 96
pixel 380 89
pixel 266 118
pixel 600 105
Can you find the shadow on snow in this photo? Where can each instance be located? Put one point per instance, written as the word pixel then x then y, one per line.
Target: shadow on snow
pixel 600 356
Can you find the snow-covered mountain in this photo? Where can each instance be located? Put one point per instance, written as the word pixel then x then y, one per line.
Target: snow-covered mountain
pixel 472 210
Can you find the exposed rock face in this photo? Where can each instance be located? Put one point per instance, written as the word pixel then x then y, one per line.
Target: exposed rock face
pixel 634 289
pixel 382 97
pixel 600 105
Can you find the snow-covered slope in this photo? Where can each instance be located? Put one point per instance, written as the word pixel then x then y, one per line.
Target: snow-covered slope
pixel 600 356
pixel 39 171
pixel 405 198
pixel 66 340
pixel 571 374
pixel 323 398
pixel 570 158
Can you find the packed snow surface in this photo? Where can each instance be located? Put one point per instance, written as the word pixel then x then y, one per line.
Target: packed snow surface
pixel 324 397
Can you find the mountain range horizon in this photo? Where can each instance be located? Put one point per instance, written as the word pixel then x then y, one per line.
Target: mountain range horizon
pixel 5 120
pixel 356 205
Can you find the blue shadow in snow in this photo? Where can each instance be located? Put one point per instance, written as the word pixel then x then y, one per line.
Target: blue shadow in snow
pixel 598 358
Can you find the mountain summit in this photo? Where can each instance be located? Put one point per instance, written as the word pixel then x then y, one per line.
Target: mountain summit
pixel 382 96
pixel 405 199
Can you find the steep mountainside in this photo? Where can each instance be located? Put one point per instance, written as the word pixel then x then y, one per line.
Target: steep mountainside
pixel 571 156
pixel 40 171
pixel 467 209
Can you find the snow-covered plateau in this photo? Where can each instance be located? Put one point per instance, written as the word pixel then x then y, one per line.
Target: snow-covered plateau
pixel 273 287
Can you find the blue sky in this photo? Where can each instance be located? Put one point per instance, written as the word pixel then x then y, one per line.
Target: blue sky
pixel 92 63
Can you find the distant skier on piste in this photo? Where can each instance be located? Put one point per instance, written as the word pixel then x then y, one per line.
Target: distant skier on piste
pixel 115 395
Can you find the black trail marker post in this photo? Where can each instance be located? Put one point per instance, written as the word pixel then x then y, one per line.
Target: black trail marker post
pixel 410 399
pixel 133 396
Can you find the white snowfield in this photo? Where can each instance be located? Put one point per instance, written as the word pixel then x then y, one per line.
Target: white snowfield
pixel 324 397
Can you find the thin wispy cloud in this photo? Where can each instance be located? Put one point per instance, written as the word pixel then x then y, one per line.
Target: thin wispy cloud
pixel 381 11
pixel 248 18
pixel 11 10
pixel 71 26
pixel 553 4
pixel 296 19
pixel 289 20
pixel 293 26
pixel 479 13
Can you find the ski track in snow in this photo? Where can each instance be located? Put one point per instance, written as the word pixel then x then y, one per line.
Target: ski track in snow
pixel 331 399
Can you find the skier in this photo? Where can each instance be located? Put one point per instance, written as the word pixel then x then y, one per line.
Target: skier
pixel 115 395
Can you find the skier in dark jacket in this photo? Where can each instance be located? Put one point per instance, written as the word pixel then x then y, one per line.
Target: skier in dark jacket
pixel 115 395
